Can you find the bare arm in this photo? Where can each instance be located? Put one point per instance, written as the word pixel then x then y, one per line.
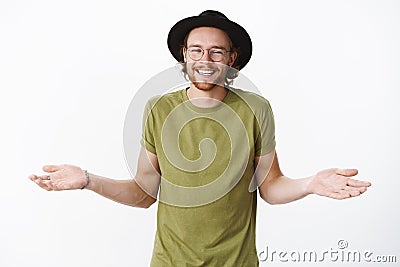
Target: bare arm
pixel 275 188
pixel 138 192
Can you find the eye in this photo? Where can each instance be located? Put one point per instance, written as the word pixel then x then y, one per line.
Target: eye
pixel 195 50
pixel 217 51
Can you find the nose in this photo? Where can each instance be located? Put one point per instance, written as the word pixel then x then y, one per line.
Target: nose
pixel 206 55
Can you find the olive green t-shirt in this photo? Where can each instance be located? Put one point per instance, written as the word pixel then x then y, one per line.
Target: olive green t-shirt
pixel 206 210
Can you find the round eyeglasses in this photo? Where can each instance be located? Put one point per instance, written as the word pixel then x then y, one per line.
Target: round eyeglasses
pixel 216 54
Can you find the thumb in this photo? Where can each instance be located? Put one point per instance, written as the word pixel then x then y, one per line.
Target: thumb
pixel 347 172
pixel 51 168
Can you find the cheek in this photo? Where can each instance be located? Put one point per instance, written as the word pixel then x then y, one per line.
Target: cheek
pixel 228 61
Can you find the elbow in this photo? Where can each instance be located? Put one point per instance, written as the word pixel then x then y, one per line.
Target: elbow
pixel 148 203
pixel 141 198
pixel 269 199
pixel 144 203
pixel 272 202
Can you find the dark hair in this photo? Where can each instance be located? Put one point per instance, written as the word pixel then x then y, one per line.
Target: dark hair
pixel 232 72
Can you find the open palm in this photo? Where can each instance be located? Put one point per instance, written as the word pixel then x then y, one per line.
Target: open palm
pixel 335 183
pixel 60 177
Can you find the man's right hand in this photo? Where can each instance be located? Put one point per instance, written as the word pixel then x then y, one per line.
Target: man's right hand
pixel 129 192
pixel 60 177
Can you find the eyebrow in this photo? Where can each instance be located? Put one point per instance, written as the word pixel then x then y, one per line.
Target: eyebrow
pixel 215 46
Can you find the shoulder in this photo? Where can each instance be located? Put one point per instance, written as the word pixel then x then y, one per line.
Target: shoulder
pixel 165 100
pixel 256 102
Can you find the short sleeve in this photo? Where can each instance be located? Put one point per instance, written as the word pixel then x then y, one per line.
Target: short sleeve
pixel 147 139
pixel 265 142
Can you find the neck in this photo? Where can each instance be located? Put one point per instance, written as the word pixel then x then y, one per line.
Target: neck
pixel 217 92
pixel 206 98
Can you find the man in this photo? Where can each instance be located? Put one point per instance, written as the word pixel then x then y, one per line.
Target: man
pixel 204 150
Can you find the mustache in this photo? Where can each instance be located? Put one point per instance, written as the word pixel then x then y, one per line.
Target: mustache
pixel 204 65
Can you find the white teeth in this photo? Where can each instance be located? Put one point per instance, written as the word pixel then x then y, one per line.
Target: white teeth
pixel 206 72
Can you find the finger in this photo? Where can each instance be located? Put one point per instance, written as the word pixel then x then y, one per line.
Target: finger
pixel 43 177
pixel 51 168
pixel 343 194
pixel 339 188
pixel 348 192
pixel 357 190
pixel 33 177
pixel 347 172
pixel 43 184
pixel 357 183
pixel 353 191
pixel 50 185
pixel 362 189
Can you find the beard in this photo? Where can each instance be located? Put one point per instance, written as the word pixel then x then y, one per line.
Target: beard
pixel 204 85
pixel 206 75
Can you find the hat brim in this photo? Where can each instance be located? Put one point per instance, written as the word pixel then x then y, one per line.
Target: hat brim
pixel 239 36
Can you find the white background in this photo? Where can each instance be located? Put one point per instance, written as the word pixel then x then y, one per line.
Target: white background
pixel 69 69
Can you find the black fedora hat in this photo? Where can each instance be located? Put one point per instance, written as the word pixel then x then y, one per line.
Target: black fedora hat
pixel 210 18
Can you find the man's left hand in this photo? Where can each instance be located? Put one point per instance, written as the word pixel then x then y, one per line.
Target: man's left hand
pixel 335 183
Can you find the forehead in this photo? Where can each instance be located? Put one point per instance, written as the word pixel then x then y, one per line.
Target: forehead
pixel 208 37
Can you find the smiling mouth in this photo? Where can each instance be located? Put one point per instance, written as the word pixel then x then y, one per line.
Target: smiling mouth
pixel 205 72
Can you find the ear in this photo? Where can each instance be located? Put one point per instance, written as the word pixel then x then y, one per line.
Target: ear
pixel 184 53
pixel 232 58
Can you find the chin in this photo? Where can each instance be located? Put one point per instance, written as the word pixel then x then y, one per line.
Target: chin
pixel 204 86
